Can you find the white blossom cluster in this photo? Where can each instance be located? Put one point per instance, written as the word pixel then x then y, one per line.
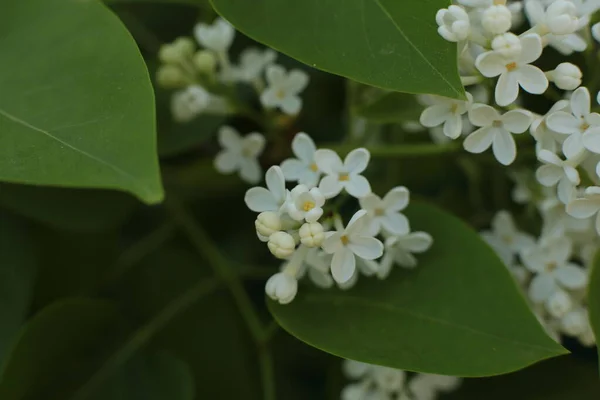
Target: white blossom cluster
pixel 199 75
pixel 296 223
pixel 382 383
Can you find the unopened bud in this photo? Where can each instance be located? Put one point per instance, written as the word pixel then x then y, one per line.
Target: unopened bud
pixel 496 19
pixel 508 45
pixel 267 223
pixel 281 244
pixel 170 77
pixel 312 234
pixel 282 287
pixel 566 76
pixel 205 61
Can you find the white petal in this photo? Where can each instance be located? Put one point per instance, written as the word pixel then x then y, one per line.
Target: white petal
pixel 591 140
pixel 583 208
pixel 396 199
pixel 483 115
pixel 269 97
pixel 503 224
pixel 357 186
pixel 562 122
pixel 507 88
pixel 297 81
pixel 291 105
pixel 453 126
pixel 490 64
pixel 314 214
pixel 549 157
pixel 330 186
pixel 227 161
pixel 560 250
pixel 417 242
pixel 565 190
pixel 532 79
pixel 343 265
pixel 573 146
pixel 434 115
pixel 504 147
pixel 293 169
pixel 535 12
pixel 250 170
pixel 571 277
pixel 332 242
pixel 259 199
pixel 580 102
pixel 366 247
pixel 548 175
pixel 357 160
pixel 395 223
pixel 516 121
pixel 370 202
pixel 229 138
pixel 531 45
pixel 480 140
pixel 542 287
pixel 275 75
pixel 303 147
pixel 253 144
pixel 276 182
pixel 328 161
pixel 357 223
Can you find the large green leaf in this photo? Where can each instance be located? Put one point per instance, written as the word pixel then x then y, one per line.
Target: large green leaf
pixel 392 44
pixel 594 297
pixel 458 313
pixel 77 107
pixel 17 272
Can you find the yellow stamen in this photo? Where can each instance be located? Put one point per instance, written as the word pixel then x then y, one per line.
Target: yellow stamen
pixel 379 212
pixel 313 167
pixel 344 177
pixel 308 205
pixel 511 66
pixel 344 240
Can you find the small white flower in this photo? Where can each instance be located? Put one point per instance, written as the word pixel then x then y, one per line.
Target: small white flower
pixel 312 234
pixel 305 204
pixel 303 168
pixel 253 62
pixel 401 248
pixel 545 137
pixel 447 112
pixel 496 19
pixel 259 199
pixel 582 125
pixel 428 386
pixel 506 238
pixel 507 45
pixel 385 213
pixel 560 18
pixel 587 206
pixel 453 23
pixel 283 89
pixel 566 76
pixel 216 37
pixel 266 224
pixel 389 380
pixel 346 175
pixel 188 103
pixel 558 304
pixel 596 31
pixel 557 172
pixel 515 71
pixel 282 287
pixel 281 244
pixel 349 243
pixel 575 322
pixel 240 154
pixel 549 260
pixel 495 130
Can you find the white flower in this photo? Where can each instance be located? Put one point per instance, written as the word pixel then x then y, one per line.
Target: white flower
pixel 582 125
pixel 522 192
pixel 587 206
pixel 312 234
pixel 545 137
pixel 240 154
pixel 305 204
pixel 428 386
pixel 281 244
pixel 577 323
pixel 389 380
pixel 549 260
pixel 259 199
pixel 303 168
pixel 253 62
pixel 447 112
pixel 266 224
pixel 560 18
pixel 186 104
pixel 401 248
pixel 453 23
pixel 348 243
pixel 515 71
pixel 596 31
pixel 216 37
pixel 556 171
pixel 319 263
pixel 495 130
pixel 506 238
pixel 496 19
pixel 282 287
pixel 385 213
pixel 507 45
pixel 566 76
pixel 346 175
pixel 558 304
pixel 283 89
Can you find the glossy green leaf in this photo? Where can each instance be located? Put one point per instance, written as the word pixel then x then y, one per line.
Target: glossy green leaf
pixel 84 117
pixel 17 273
pixel 458 313
pixel 392 108
pixel 71 209
pixel 594 297
pixel 387 43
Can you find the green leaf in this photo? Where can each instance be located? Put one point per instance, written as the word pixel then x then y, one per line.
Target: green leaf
pixel 386 43
pixel 17 273
pixel 77 107
pixel 392 108
pixel 71 209
pixel 594 297
pixel 458 313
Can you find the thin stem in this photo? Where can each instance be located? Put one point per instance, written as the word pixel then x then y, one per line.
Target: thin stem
pixel 265 360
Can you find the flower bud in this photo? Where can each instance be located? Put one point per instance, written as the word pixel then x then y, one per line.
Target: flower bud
pixel 170 77
pixel 205 61
pixel 282 287
pixel 507 45
pixel 575 323
pixel 453 23
pixel 496 19
pixel 312 234
pixel 185 45
pixel 561 17
pixel 281 244
pixel 267 223
pixel 169 54
pixel 559 304
pixel 567 76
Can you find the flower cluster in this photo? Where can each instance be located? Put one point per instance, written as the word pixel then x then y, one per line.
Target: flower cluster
pixel 295 223
pixel 383 383
pixel 204 77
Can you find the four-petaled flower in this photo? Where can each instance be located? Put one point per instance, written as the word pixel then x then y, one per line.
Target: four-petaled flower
pixel 240 154
pixel 556 171
pixel 346 175
pixel 283 88
pixel 447 112
pixel 587 206
pixel 303 169
pixel 259 199
pixel 305 203
pixel 385 213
